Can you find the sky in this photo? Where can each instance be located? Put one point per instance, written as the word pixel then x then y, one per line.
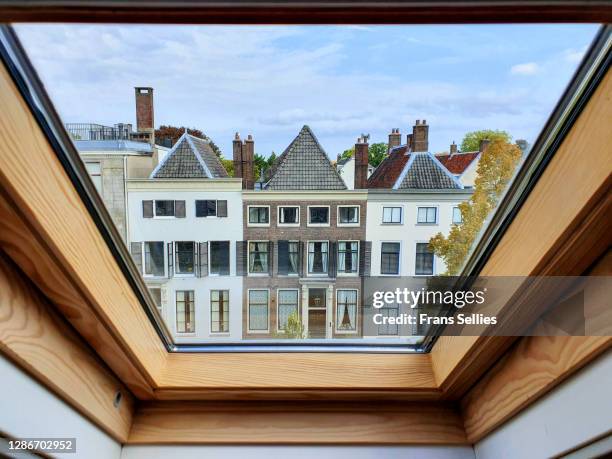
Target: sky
pixel 343 81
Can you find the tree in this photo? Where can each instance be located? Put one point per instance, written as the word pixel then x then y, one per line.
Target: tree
pixel 376 153
pixel 295 328
pixel 471 141
pixel 174 133
pixel 495 169
pixel 228 164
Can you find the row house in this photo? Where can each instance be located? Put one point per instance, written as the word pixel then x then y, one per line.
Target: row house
pixel 184 223
pixel 304 251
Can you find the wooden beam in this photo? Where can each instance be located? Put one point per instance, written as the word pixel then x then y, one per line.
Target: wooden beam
pixel 293 423
pixel 45 346
pixel 46 229
pixel 533 367
pixel 311 12
pixel 562 228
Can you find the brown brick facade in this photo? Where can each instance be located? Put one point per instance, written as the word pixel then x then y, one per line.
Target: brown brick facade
pixel 303 233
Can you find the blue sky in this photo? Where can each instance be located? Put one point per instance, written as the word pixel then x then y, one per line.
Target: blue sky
pixel 341 80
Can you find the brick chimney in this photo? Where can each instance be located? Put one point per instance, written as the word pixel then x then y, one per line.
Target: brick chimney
pixel 248 166
pixel 409 141
pixel 243 158
pixel 395 138
pixel 361 163
pixel 484 144
pixel 453 148
pixel 420 136
pixel 145 121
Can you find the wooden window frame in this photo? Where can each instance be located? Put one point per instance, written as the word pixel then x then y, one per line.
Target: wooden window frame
pixel 80 303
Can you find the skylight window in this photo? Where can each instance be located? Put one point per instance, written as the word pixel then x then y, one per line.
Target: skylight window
pixel 284 174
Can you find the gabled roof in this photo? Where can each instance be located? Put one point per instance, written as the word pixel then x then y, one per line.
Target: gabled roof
pixel 457 163
pixel 424 172
pixel 191 157
pixel 389 169
pixel 304 165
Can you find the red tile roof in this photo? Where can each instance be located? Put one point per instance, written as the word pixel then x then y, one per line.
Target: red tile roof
pixel 388 171
pixel 457 163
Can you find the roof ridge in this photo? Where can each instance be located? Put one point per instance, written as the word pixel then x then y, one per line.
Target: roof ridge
pixel 165 159
pixel 197 154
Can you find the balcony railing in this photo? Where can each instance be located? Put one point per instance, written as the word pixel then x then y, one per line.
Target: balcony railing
pixel 87 131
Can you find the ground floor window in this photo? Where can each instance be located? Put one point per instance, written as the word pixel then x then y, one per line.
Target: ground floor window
pixel 287 305
pixel 219 311
pixel 346 310
pixel 185 311
pixel 258 310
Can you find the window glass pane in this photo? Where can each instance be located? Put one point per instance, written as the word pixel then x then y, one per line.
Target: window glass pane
pixel 259 215
pixel 287 306
pixel 154 258
pixel 185 312
pixel 424 259
pixel 349 214
pixel 457 215
pixel 346 310
pixel 228 243
pixel 319 215
pixel 390 252
pixel 348 253
pixel 258 257
pixel 185 257
pixel 289 215
pixel 294 257
pixel 219 311
pixel 258 310
pixel 219 257
pixel 317 257
pixel 392 215
pixel 164 208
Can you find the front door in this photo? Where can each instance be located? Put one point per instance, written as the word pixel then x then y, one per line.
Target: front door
pixel 317 312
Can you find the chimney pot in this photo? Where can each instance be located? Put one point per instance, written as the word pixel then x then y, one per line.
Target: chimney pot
pixel 453 148
pixel 395 138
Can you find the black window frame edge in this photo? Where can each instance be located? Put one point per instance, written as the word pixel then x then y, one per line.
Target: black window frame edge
pixel 585 80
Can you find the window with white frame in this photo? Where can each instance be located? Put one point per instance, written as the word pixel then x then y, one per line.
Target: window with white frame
pixel 156 295
pixel 348 215
pixel 348 257
pixel 390 258
pixel 184 255
pixel 287 306
pixel 424 259
pixel 163 208
pixel 288 215
pixel 259 215
pixel 318 215
pixel 258 257
pixel 219 311
pixel 318 257
pixel 427 215
pixel 346 310
pixel 94 170
pixel 386 328
pixel 392 215
pixel 258 310
pixel 457 217
pixel 185 311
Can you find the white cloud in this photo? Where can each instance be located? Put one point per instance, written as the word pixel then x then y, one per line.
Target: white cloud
pixel 528 68
pixel 573 56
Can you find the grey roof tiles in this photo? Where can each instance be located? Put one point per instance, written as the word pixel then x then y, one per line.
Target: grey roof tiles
pixel 304 165
pixel 191 157
pixel 424 172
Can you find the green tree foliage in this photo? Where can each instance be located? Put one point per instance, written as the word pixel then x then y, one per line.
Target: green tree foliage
pixel 174 133
pixel 228 164
pixel 471 141
pixel 495 169
pixel 295 328
pixel 376 153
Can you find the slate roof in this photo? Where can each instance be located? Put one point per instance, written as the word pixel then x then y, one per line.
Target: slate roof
pixel 389 169
pixel 424 172
pixel 457 163
pixel 191 157
pixel 304 165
